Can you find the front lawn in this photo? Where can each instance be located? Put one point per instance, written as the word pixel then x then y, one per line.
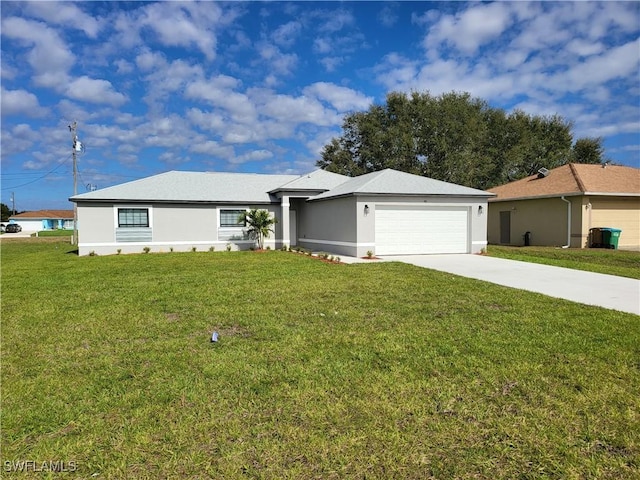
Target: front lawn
pixel 600 260
pixel 322 370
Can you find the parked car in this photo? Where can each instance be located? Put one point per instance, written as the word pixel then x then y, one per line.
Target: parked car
pixel 13 228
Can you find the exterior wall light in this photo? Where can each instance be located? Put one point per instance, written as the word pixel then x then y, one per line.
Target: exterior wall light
pixel 479 209
pixel 366 209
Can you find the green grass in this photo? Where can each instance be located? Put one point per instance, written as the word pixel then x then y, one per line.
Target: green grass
pixel 55 233
pixel 600 260
pixel 322 371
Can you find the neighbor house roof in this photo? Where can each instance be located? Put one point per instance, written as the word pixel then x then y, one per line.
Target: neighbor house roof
pixel 394 182
pixel 573 179
pixel 45 214
pixel 176 186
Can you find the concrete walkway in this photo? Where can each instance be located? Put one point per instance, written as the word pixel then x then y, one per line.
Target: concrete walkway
pixel 608 291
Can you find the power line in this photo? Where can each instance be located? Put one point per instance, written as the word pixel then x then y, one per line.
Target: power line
pixel 39 178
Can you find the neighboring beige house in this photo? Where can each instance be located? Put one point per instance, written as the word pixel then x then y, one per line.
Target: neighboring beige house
pixel 560 207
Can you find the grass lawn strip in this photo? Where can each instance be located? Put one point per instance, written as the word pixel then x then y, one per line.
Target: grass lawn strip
pixel 322 370
pixel 611 262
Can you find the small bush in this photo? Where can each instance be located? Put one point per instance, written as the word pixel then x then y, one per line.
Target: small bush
pixel 336 259
pixel 194 249
pixel 146 249
pixel 119 251
pixel 268 247
pixel 92 253
pixel 228 247
pixel 369 254
pixel 171 249
pixel 212 248
pixel 284 248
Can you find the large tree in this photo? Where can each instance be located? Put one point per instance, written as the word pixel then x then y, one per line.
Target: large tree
pixel 453 137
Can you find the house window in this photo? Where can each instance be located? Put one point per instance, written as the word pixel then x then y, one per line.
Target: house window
pixel 231 218
pixel 133 217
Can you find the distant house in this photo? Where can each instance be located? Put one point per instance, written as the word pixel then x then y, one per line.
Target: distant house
pixel 559 207
pixel 386 212
pixel 44 220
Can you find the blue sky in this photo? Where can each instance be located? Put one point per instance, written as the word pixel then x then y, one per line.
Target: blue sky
pixel 262 87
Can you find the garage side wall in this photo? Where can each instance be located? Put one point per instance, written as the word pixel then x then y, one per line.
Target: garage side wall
pixel 329 225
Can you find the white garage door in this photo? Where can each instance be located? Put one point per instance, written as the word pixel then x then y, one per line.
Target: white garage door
pixel 406 230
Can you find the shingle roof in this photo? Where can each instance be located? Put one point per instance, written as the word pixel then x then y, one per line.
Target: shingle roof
pixel 176 186
pixel 573 179
pixel 45 214
pixel 393 182
pixel 316 180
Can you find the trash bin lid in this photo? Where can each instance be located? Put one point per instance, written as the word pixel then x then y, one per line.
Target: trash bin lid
pixel 610 229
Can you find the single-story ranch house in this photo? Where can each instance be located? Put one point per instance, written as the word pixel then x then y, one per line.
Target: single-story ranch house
pixel 44 220
pixel 386 212
pixel 559 206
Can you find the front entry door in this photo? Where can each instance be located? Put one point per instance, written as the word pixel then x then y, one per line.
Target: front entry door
pixel 293 229
pixel 505 227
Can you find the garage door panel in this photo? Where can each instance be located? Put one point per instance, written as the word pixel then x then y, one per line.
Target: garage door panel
pixel 418 230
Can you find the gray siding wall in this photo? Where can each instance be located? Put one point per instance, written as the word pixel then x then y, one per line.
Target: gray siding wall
pixel 172 226
pixel 329 226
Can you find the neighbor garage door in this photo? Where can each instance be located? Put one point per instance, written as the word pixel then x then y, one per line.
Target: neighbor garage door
pixel 406 230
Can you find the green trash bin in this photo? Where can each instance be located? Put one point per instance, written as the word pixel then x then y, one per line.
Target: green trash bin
pixel 610 237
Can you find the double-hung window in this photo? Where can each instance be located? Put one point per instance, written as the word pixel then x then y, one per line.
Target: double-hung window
pixel 232 218
pixel 133 217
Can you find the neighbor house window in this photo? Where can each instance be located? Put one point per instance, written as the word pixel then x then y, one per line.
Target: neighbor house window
pixel 133 217
pixel 232 218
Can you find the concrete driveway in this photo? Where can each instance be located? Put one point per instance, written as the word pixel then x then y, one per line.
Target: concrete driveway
pixel 608 291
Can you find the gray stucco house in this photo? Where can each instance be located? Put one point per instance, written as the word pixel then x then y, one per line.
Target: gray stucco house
pixel 387 212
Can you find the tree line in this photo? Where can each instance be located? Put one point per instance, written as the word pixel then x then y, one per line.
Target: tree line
pixel 456 138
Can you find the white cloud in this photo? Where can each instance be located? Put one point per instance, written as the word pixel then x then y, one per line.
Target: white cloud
pixel 218 91
pixel 213 149
pixel 178 24
pixel 388 16
pixel 50 58
pixel 124 66
pixel 343 99
pixel 275 60
pixel 618 62
pixel 470 29
pixel 65 14
pixel 287 34
pixel 94 91
pixel 20 102
pixel 252 156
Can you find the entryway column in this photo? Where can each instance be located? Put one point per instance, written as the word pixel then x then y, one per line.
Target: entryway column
pixel 284 221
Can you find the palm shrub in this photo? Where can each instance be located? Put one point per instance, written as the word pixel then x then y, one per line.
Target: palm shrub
pixel 259 224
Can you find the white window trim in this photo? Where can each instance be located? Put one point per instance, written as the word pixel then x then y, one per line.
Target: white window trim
pixel 117 207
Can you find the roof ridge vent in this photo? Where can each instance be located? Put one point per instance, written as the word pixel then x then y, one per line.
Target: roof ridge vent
pixel 543 172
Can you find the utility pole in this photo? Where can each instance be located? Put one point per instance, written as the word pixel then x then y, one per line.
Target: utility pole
pixel 74 139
